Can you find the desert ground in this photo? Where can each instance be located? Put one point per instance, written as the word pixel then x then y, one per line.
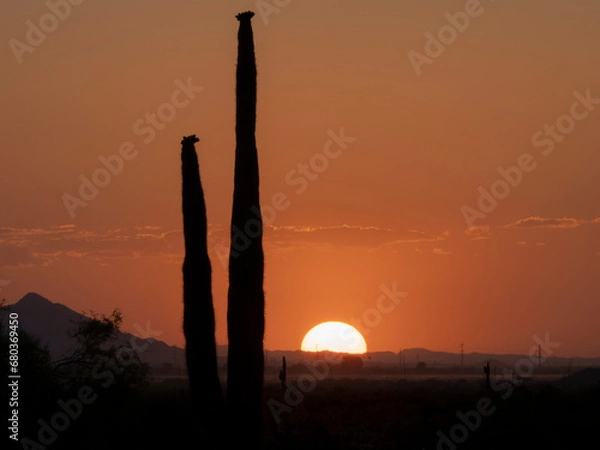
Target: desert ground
pixel 355 411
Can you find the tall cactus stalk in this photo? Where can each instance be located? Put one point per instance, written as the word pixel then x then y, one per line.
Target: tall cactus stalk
pixel 246 304
pixel 198 311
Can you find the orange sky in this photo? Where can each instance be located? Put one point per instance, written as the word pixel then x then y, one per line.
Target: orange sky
pixel 388 209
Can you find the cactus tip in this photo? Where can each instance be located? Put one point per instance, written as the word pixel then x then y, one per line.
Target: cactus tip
pixel 190 139
pixel 245 15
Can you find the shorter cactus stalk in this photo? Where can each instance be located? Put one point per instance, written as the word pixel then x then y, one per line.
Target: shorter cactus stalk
pixel 283 375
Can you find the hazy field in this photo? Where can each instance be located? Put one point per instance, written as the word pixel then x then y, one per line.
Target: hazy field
pixel 355 412
pixel 386 414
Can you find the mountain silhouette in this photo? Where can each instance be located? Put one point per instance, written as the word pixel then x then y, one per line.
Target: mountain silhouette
pixel 52 323
pixel 49 322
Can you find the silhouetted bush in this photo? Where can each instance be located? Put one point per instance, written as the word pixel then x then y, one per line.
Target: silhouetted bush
pixel 351 362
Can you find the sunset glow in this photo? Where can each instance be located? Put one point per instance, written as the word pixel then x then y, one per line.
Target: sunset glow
pixel 334 337
pixel 470 180
pixel 213 205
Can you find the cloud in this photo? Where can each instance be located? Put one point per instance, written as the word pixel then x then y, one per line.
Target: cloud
pixel 415 237
pixel 155 236
pixel 44 247
pixel 312 229
pixel 545 222
pixel 479 232
pixel 69 244
pixel 148 227
pixel 531 244
pixel 338 234
pixel 283 240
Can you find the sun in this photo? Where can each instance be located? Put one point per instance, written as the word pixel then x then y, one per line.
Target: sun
pixel 334 337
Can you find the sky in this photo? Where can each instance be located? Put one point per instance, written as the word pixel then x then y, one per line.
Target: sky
pixel 429 169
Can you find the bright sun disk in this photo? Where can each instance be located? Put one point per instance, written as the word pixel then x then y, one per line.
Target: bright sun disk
pixel 334 337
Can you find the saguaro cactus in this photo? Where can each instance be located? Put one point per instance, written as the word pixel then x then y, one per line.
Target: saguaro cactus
pixel 486 370
pixel 246 304
pixel 198 311
pixel 283 375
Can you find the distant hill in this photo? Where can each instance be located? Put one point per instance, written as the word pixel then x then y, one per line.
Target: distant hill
pixel 441 360
pixel 584 379
pixel 52 322
pixel 49 322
